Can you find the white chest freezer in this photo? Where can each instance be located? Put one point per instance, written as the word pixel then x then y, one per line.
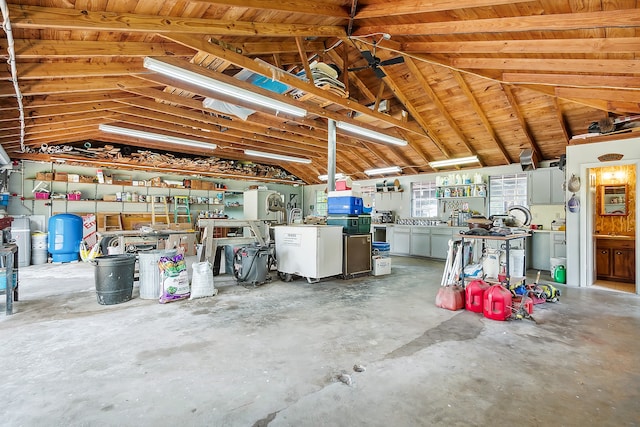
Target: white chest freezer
pixel 311 251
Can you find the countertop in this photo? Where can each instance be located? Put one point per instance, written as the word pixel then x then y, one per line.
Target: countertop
pixel 548 231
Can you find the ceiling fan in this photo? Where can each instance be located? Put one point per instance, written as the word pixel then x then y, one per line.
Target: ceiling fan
pixel 375 63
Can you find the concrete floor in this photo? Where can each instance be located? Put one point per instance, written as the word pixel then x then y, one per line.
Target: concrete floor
pixel 272 355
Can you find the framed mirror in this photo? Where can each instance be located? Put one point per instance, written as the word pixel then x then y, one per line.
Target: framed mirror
pixel 614 199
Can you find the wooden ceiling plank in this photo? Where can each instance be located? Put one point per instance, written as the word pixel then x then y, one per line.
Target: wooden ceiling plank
pixel 521 120
pixel 407 7
pixel 626 18
pixel 572 80
pixel 244 62
pixel 89 49
pixel 481 114
pixel 278 47
pixel 604 66
pixel 59 110
pixel 34 102
pixel 292 6
pixel 36 17
pixel 417 74
pixel 538 46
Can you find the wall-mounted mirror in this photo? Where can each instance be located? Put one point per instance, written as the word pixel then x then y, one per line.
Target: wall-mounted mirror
pixel 613 199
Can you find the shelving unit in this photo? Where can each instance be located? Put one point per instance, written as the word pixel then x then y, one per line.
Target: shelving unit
pixel 234 204
pixel 92 199
pixel 461 191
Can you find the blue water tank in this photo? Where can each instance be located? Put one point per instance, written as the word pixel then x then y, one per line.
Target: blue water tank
pixel 65 235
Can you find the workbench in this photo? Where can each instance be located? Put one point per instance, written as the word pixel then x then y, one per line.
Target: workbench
pixel 9 261
pixel 211 243
pixel 133 240
pixel 507 243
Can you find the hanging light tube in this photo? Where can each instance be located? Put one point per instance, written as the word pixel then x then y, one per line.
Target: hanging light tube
pixel 384 171
pixel 371 134
pixel 221 87
pixel 326 177
pixel 156 137
pixel 276 156
pixel 453 162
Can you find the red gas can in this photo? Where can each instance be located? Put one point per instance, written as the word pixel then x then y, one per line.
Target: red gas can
pixel 497 303
pixel 450 297
pixel 475 295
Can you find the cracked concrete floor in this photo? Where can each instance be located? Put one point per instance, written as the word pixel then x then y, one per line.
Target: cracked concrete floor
pixel 272 356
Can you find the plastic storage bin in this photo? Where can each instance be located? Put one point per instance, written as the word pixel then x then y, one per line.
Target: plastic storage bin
pixel 364 223
pixel 344 205
pixel 349 223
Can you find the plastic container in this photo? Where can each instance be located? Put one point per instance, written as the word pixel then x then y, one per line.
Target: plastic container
pixel 4 199
pixel 450 297
pixel 65 235
pixel 381 249
pixel 114 278
pixel 344 205
pixel 150 281
pixel 349 223
pixel 21 233
pixel 474 295
pixel 516 263
pixel 39 251
pixel 364 223
pixel 560 274
pixel 555 263
pixel 497 303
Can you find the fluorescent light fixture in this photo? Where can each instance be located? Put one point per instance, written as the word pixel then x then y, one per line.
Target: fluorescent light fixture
pixel 276 156
pixel 383 171
pixel 156 137
pixel 371 134
pixel 4 157
pixel 453 162
pixel 326 177
pixel 221 87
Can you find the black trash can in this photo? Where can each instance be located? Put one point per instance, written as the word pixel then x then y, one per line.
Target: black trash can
pixel 114 278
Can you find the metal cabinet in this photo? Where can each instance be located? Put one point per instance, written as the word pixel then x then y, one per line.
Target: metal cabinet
pixel 420 241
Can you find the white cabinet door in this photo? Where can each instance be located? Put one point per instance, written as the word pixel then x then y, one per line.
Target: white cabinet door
pixel 557 190
pixel 558 245
pixel 440 242
pixel 540 251
pixel 420 241
pixel 545 186
pixel 401 240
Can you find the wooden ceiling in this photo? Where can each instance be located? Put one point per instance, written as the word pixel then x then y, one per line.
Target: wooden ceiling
pixel 480 77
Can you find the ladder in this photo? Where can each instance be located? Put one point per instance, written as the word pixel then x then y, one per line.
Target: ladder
pixel 165 210
pixel 181 203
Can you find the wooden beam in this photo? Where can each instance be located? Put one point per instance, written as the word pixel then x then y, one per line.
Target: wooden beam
pixel 244 62
pixel 36 17
pixel 352 77
pixel 626 18
pixel 72 99
pixel 481 114
pixel 66 86
pixel 581 80
pixel 605 94
pixel 304 60
pixel 523 123
pixel 604 66
pixel 561 121
pixel 408 7
pixel 74 70
pixel 54 49
pixel 539 46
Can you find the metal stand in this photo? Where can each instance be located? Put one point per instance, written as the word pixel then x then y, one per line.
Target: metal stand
pixel 9 259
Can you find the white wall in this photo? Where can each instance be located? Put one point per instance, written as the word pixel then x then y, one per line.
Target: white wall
pixel 579 238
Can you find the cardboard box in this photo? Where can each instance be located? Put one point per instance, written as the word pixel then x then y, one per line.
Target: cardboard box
pixel 62 176
pixel 109 198
pixel 44 176
pixel 381 265
pixel 184 241
pixel 73 177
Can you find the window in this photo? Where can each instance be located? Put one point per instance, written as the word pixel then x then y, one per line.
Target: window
pixel 506 191
pixel 321 203
pixel 423 200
